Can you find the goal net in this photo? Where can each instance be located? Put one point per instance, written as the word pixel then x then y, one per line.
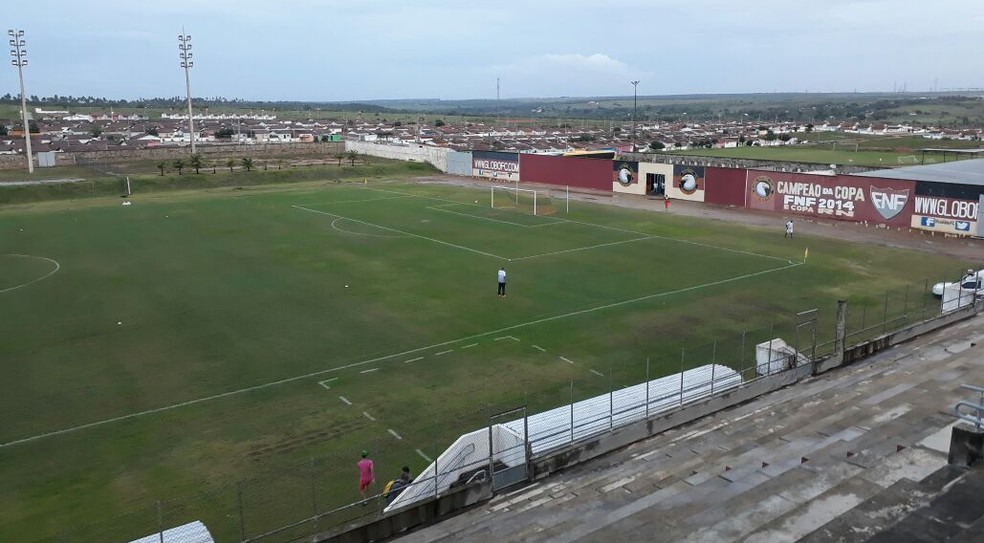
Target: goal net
pixel 910 159
pixel 536 202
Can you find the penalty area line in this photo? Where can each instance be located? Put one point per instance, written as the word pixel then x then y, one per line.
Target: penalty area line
pixel 378 359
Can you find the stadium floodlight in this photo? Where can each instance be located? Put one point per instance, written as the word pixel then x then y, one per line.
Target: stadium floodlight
pixel 17 51
pixel 184 45
pixel 635 96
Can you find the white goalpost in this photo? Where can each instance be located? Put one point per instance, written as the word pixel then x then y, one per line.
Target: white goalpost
pixel 537 202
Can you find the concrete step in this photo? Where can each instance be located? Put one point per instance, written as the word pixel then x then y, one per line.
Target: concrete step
pixel 949 514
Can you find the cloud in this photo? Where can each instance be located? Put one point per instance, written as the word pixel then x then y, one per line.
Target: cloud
pixel 566 74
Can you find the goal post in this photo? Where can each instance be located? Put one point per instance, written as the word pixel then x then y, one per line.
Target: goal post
pixel 537 202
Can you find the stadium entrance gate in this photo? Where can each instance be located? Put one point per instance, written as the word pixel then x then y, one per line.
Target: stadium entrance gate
pixel 509 453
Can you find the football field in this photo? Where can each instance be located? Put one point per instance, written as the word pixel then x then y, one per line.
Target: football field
pixel 234 350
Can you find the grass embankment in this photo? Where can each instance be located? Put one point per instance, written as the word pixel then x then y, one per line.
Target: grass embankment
pixel 91 185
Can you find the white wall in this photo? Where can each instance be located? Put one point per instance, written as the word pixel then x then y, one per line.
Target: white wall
pixel 437 156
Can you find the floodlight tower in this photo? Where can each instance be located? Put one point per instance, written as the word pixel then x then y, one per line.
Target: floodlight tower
pixel 635 96
pixel 184 45
pixel 17 51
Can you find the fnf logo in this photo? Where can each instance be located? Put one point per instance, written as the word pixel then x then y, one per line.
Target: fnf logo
pixel 888 202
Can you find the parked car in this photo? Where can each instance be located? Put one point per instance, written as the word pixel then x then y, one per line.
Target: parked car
pixel 972 280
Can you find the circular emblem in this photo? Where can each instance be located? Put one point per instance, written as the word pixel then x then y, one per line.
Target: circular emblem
pixel 762 187
pixel 688 181
pixel 624 176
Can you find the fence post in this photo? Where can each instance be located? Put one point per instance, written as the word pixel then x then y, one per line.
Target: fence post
pixel 683 356
pixel 572 411
pixel 741 353
pixel 239 498
pixel 647 387
pixel 314 490
pixel 160 522
pixel 713 364
pixel 611 400
pixel 905 307
pixel 885 315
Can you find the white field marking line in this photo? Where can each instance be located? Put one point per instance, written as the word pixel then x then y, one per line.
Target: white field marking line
pixel 52 272
pixel 398 355
pixel 362 233
pixel 541 349
pixel 413 360
pixel 365 200
pixel 598 373
pixel 326 381
pixel 394 434
pixel 470 346
pixel 584 248
pixel 369 370
pixel 440 208
pixel 506 337
pixel 617 229
pixel 368 416
pixel 683 241
pixel 463 248
pixel 424 456
pixel 443 352
pixel 569 361
pixel 344 399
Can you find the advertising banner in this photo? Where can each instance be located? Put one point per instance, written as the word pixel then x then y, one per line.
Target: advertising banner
pixel 495 165
pixel 946 215
pixel 688 183
pixel 859 199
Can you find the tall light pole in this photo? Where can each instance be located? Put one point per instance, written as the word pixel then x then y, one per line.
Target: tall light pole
pixel 17 51
pixel 635 96
pixel 184 45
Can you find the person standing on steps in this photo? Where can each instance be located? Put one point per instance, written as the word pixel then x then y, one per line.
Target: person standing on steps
pixel 502 282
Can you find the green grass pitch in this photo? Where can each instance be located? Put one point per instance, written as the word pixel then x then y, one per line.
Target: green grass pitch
pixel 211 348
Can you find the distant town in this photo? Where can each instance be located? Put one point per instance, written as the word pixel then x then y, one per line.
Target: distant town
pixel 64 131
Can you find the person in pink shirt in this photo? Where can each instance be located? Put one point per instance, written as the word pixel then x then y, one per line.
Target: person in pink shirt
pixel 365 474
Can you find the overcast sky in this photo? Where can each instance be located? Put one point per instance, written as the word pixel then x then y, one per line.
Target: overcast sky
pixel 455 49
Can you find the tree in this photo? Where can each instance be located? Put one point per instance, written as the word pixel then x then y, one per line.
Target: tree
pixel 96 132
pixel 657 145
pixel 161 165
pixel 247 163
pixel 339 157
pixel 153 131
pixel 438 123
pixel 280 163
pixel 3 130
pixel 33 128
pixel 230 163
pixel 770 135
pixel 352 156
pixel 224 132
pixel 179 165
pixel 196 162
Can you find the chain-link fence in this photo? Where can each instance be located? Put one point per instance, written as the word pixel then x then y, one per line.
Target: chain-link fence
pixel 320 495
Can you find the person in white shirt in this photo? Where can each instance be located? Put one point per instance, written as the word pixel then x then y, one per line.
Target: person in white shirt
pixel 502 282
pixel 789 229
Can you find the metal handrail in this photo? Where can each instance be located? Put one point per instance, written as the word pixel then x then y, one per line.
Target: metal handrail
pixel 978 407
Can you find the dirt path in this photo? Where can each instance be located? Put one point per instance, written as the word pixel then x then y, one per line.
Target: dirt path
pixel 969 249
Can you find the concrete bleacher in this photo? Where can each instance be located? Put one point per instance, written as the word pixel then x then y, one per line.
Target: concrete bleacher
pixel 856 454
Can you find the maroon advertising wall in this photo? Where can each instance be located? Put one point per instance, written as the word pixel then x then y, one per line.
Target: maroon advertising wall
pixel 589 173
pixel 841 197
pixel 724 186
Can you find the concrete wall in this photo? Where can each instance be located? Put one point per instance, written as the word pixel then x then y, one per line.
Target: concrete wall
pixel 422 514
pixel 437 156
pixel 459 163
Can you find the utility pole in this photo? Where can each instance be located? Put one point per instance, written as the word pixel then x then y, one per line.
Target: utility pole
pixel 635 97
pixel 17 51
pixel 184 45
